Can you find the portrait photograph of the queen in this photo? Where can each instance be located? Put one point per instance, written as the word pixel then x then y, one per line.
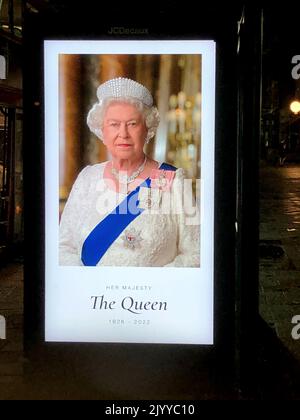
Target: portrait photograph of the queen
pixel 129 160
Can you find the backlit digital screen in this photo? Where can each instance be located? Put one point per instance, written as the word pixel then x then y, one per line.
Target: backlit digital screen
pixel 129 190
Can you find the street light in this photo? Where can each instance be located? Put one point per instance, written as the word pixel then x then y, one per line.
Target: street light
pixel 295 107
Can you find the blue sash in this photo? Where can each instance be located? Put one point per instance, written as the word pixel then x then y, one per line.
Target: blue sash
pixel 110 228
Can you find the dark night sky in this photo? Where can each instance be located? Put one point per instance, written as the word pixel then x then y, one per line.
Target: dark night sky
pixel 281 43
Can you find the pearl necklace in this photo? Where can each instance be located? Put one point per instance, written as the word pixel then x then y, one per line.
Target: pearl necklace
pixel 123 178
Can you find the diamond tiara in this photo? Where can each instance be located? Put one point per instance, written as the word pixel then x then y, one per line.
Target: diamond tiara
pixel 123 88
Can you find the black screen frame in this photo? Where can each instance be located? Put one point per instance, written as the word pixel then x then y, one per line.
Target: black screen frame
pixel 215 24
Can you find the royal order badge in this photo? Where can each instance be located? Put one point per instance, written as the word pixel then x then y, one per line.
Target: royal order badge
pixel 149 198
pixel 162 179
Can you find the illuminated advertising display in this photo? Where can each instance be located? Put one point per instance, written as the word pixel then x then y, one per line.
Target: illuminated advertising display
pixel 129 190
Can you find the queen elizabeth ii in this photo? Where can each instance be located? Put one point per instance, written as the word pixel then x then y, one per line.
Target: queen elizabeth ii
pixel 129 210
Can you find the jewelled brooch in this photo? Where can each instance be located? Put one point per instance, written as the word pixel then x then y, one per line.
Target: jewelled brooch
pixel 132 238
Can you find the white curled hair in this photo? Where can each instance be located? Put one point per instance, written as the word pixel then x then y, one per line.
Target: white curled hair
pixel 96 116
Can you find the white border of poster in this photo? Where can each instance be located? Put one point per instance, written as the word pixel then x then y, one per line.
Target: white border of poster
pixel 187 317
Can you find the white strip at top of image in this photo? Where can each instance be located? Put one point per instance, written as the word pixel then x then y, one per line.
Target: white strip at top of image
pixel 129 47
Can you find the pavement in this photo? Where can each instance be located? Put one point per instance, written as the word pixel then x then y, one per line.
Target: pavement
pixel 280 251
pixel 279 279
pixel 11 349
pixel 278 371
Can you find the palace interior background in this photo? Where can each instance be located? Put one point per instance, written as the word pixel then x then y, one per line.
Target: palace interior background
pixel 173 80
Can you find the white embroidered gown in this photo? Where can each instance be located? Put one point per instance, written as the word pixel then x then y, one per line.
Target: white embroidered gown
pixel 160 237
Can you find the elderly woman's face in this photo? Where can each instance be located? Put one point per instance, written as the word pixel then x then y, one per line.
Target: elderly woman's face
pixel 124 131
